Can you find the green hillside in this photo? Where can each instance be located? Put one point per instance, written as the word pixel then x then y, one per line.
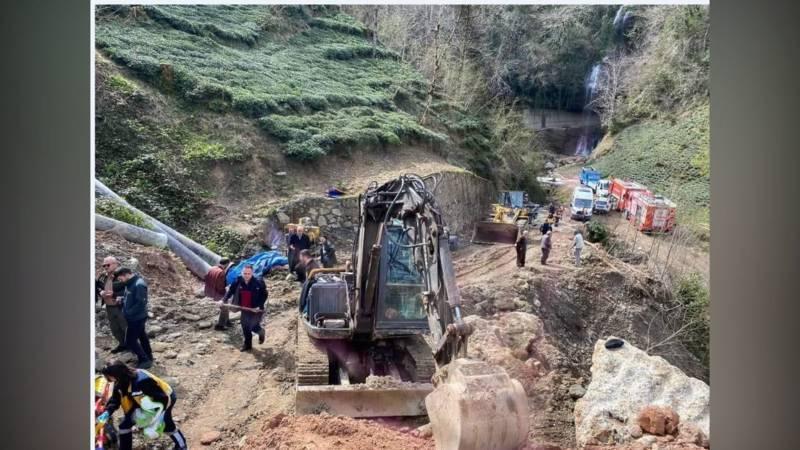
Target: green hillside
pixel 670 157
pixel 317 83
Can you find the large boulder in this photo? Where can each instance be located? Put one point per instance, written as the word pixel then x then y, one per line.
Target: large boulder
pixel 514 341
pixel 625 380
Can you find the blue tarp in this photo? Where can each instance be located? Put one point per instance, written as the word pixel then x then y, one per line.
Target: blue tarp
pixel 262 263
pixel 334 193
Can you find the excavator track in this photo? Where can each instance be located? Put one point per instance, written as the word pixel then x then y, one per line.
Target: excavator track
pixel 423 359
pixel 312 363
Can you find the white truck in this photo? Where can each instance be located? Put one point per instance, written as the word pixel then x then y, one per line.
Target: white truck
pixel 582 204
pixel 602 197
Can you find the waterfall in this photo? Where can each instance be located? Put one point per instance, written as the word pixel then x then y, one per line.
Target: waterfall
pixel 619 20
pixel 591 83
pixel 586 140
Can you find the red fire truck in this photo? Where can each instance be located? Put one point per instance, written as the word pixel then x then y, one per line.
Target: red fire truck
pixel 621 191
pixel 649 212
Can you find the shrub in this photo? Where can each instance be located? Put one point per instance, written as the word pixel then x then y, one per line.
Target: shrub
pixel 335 25
pixel 198 149
pixel 112 209
pixel 121 84
pixel 596 232
pixel 692 294
pixel 222 241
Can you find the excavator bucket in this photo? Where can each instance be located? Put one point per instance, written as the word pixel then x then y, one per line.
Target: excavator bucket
pixel 359 400
pixel 477 406
pixel 495 233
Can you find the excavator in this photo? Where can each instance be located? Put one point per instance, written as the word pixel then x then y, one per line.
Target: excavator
pixel 509 214
pixel 384 336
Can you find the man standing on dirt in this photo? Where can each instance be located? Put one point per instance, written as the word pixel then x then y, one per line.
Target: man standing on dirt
pixel 547 244
pixel 250 294
pixel 577 244
pixel 134 307
pixel 215 289
pixel 545 227
pixel 111 293
pixel 521 247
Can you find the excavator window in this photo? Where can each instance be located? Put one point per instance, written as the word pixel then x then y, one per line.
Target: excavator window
pixel 402 293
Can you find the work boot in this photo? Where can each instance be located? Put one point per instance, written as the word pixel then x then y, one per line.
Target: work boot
pixel 245 348
pixel 220 327
pixel 119 348
pixel 179 440
pixel 261 336
pixel 144 364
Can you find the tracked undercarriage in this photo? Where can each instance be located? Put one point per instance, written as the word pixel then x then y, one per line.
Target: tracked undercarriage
pixel 356 382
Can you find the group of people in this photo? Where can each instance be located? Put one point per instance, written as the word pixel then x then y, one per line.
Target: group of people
pixel 249 293
pixel 521 246
pixel 123 293
pixel 298 251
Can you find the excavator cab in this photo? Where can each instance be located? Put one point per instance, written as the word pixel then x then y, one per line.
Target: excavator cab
pixel 400 304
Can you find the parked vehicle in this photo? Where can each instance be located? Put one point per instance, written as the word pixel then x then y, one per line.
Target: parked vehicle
pixel 602 197
pixel 589 177
pixel 582 203
pixel 651 212
pixel 621 192
pixel 603 187
pixel 512 210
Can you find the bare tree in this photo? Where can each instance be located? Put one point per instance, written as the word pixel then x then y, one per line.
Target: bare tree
pixel 610 88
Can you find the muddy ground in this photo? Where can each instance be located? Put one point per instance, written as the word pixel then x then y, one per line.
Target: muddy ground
pixel 538 322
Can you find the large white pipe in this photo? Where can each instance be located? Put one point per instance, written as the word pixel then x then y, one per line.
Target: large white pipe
pixel 204 253
pixel 175 241
pixel 130 232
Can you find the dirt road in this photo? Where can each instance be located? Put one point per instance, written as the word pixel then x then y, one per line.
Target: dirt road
pixel 229 399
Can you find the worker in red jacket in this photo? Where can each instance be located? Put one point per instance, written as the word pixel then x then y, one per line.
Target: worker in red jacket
pixel 249 293
pixel 215 289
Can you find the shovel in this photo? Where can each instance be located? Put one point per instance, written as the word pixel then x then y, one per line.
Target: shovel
pixel 240 308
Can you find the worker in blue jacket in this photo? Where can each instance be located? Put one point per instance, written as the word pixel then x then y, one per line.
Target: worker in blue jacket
pixel 134 307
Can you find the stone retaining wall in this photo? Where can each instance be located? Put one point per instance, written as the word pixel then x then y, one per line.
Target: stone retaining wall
pixel 462 197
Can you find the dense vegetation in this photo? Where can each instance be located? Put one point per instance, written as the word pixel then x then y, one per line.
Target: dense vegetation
pixel 316 80
pixel 320 80
pixel 317 84
pixel 535 53
pixel 661 72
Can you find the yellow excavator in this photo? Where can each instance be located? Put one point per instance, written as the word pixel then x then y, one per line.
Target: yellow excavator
pixel 384 336
pixel 509 214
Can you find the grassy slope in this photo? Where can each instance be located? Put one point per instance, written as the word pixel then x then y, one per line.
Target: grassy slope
pixel 669 157
pixel 315 83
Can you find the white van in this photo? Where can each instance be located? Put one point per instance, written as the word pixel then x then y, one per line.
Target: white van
pixel 602 198
pixel 582 203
